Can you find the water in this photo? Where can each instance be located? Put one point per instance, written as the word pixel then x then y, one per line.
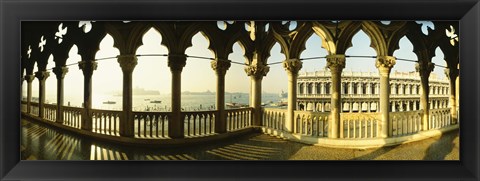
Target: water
pixel 190 102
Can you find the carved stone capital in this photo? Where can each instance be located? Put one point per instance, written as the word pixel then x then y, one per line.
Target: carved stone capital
pixel 424 67
pixel 42 75
pixel 257 70
pixel 451 72
pixel 87 67
pixel 292 66
pixel 60 72
pixel 336 62
pixel 176 62
pixel 220 66
pixel 127 62
pixel 385 62
pixel 29 78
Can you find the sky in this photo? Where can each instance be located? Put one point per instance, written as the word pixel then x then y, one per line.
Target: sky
pixel 153 73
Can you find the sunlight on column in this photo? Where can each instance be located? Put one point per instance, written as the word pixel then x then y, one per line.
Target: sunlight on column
pixel 152 79
pixel 107 80
pixel 73 82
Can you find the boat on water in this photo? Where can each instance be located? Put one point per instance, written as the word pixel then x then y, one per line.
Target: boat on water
pixel 156 101
pixel 109 102
pixel 235 105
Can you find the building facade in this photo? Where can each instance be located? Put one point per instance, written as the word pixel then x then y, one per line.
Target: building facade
pixel 360 91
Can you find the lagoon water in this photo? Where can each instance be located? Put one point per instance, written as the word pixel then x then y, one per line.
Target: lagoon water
pixel 190 102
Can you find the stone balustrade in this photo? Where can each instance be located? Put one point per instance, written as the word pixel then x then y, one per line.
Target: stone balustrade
pixel 151 124
pixel 238 118
pixel 307 124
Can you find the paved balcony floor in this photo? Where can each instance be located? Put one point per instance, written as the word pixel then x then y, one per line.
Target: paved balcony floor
pixel 40 142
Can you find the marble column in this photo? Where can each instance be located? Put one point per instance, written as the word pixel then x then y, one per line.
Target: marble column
pixel 29 79
pixel 220 67
pixel 60 74
pixel 292 66
pixel 176 62
pixel 127 124
pixel 87 68
pixel 256 72
pixel 335 63
pixel 424 69
pixel 452 74
pixel 42 77
pixel 384 65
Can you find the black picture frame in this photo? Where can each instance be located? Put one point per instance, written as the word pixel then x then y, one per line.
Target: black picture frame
pixel 13 12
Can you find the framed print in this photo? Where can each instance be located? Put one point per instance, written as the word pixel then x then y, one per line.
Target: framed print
pixel 239 90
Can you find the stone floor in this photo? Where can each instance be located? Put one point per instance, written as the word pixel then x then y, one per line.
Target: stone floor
pixel 39 142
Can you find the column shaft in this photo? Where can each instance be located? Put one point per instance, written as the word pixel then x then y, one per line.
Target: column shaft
pixel 87 67
pixel 127 124
pixel 220 67
pixel 292 66
pixel 384 65
pixel 335 63
pixel 60 74
pixel 176 122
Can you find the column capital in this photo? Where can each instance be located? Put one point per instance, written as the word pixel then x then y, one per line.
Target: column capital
pixel 292 66
pixel 451 72
pixel 424 67
pixel 60 71
pixel 87 66
pixel 127 62
pixel 336 62
pixel 220 66
pixel 385 62
pixel 42 75
pixel 257 70
pixel 29 78
pixel 177 61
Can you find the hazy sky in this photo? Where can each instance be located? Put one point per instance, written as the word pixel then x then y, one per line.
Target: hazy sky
pixel 153 73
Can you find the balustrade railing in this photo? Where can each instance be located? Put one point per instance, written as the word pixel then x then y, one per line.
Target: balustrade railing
pixel 404 123
pixel 72 116
pixel 23 106
pixel 359 125
pixel 106 122
pixel 199 123
pixel 50 112
pixel 439 118
pixel 274 118
pixel 151 124
pixel 311 123
pixel 238 118
pixel 34 109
